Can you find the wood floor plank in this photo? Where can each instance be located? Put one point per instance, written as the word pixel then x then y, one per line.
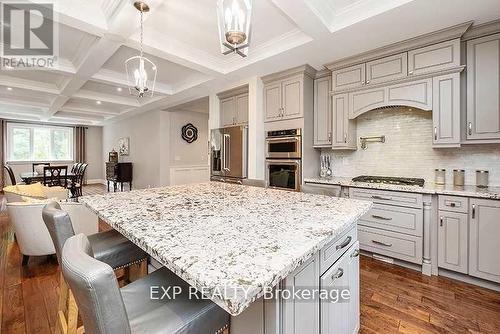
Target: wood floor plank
pixel 13 321
pixel 34 307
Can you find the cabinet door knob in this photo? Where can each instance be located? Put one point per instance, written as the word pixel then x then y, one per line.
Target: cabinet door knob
pixel 338 274
pixel 355 253
pixel 470 128
pixel 410 73
pixel 330 137
pixel 367 82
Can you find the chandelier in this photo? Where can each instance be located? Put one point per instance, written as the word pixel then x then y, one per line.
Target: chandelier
pixel 141 72
pixel 234 25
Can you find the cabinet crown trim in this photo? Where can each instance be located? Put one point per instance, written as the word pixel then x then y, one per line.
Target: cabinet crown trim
pixel 232 92
pixel 304 69
pixel 435 37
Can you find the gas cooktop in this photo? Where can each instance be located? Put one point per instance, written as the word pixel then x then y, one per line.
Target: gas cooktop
pixel 406 181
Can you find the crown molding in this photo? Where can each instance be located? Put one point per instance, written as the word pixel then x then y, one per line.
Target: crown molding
pixel 481 30
pixel 304 69
pixel 232 92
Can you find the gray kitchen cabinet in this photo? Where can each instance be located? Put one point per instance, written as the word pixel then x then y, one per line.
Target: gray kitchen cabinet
pixel 322 112
pixel 228 111
pixel 484 248
pixel 436 57
pixel 302 316
pixel 453 241
pixel 234 106
pixel 387 68
pixel 292 106
pixel 241 109
pixel 350 77
pixel 446 110
pixel 483 88
pixel 344 130
pixel 284 99
pixel 341 317
pixel 272 101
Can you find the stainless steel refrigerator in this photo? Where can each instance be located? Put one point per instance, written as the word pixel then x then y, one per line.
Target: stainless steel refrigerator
pixel 228 154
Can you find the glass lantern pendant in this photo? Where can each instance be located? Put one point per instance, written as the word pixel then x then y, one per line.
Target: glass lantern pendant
pixel 141 72
pixel 234 18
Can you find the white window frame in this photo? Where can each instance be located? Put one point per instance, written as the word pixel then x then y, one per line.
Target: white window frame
pixel 32 127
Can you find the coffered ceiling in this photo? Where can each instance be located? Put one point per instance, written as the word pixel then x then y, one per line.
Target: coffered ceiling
pixel 181 38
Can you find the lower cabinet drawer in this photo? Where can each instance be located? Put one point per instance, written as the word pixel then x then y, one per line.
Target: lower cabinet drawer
pixel 394 218
pixel 332 251
pixel 392 244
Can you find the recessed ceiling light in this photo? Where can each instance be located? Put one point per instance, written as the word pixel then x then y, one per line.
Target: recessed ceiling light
pixel 9 88
pixel 119 89
pixel 98 102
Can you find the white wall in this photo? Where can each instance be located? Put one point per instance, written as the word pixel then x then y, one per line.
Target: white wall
pixel 94 158
pixel 156 144
pixel 408 150
pixel 144 133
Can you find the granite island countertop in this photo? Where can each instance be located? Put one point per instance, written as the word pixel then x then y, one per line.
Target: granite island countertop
pixel 225 237
pixel 428 188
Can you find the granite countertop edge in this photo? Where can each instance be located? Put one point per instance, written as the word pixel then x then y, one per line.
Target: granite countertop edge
pixel 431 189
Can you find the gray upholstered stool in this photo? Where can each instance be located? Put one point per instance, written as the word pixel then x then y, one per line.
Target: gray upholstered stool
pixel 105 308
pixel 109 247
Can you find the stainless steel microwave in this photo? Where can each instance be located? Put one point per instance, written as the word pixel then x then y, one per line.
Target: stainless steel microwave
pixel 284 144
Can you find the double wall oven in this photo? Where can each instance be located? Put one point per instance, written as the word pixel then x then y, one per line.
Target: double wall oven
pixel 284 159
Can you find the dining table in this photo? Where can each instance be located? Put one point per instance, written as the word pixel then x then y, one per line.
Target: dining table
pixel 32 177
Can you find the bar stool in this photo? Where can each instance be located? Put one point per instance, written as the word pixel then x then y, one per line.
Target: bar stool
pixel 105 308
pixel 109 247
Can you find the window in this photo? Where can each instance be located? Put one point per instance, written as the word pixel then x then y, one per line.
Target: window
pixel 27 142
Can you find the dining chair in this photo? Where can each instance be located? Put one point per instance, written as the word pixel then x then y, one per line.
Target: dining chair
pixel 109 247
pixel 36 164
pixel 106 308
pixel 77 182
pixel 11 174
pixel 55 176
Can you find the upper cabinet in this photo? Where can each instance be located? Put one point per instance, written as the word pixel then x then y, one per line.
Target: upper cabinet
pixel 322 112
pixel 446 110
pixel 350 77
pixel 387 69
pixel 434 58
pixel 401 66
pixel 287 94
pixel 483 89
pixel 234 107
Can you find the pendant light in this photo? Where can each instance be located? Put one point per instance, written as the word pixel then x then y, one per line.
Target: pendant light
pixel 234 25
pixel 141 72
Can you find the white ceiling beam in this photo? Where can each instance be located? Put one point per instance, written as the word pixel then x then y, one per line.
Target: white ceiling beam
pixel 24 103
pixel 120 79
pixel 80 110
pixel 115 99
pixel 6 80
pixel 307 19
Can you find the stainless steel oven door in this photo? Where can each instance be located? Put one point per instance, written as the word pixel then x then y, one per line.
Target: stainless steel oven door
pixel 284 174
pixel 284 147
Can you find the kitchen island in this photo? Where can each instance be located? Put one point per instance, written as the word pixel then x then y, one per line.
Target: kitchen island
pixel 237 239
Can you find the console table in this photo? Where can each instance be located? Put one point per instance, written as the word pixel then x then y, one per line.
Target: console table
pixel 119 172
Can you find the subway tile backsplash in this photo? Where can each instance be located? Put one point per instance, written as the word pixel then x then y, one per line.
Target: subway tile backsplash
pixel 408 150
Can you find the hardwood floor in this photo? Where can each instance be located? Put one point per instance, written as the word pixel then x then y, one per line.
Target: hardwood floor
pixel 393 299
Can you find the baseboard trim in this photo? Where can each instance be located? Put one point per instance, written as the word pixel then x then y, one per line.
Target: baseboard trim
pixel 96 181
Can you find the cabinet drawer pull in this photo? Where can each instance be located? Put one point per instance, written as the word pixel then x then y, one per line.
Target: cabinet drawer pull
pixel 452 204
pixel 473 211
pixel 381 243
pixel 381 197
pixel 355 253
pixel 338 274
pixel 381 217
pixel 345 243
